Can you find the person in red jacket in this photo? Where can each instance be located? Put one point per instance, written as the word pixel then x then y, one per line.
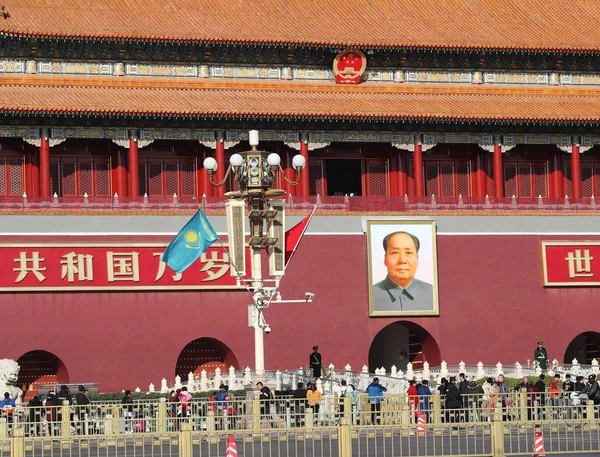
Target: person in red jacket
pixel 413 396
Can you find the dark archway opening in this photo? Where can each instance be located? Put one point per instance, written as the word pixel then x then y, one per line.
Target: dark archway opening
pixel 39 368
pixel 344 177
pixel 584 347
pixel 400 343
pixel 204 354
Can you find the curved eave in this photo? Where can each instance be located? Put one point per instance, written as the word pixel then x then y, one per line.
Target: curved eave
pixel 300 43
pixel 297 117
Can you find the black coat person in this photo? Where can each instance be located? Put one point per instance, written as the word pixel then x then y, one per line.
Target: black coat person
pixel 315 362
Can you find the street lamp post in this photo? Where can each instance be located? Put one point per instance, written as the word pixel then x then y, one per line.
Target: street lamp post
pixel 255 172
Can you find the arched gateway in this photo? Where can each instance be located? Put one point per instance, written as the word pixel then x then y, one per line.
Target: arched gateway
pixel 400 343
pixel 204 354
pixel 584 347
pixel 38 368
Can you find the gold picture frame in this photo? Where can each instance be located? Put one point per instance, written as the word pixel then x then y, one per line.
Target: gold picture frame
pixel 386 296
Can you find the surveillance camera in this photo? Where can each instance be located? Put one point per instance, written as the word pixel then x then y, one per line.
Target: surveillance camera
pixel 267 329
pixel 309 295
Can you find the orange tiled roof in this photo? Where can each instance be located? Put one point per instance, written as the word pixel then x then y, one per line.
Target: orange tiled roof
pixel 491 24
pixel 226 98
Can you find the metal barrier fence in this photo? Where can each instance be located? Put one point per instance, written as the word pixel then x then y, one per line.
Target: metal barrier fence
pixel 287 427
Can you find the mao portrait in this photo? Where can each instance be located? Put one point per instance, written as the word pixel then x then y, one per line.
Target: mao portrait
pixel 402 268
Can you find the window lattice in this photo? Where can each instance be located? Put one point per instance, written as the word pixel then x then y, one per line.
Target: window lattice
pixel 316 175
pixel 77 176
pixel 590 179
pixel 445 178
pixel 377 178
pixel 11 175
pixel 165 176
pixel 526 179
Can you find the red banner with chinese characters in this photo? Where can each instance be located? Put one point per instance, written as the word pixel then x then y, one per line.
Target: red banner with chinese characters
pixel 106 266
pixel 571 263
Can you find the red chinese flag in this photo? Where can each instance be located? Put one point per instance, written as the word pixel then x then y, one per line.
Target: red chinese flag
pixel 294 235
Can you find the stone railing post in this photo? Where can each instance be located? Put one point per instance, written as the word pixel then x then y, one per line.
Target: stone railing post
pixel 191 384
pixel 319 385
pixel 117 419
pixel 394 371
pixel 462 366
pixel 410 374
pixel 589 411
pixel 256 414
pixel 18 443
pixel 3 428
pixel 331 368
pixel 498 432
pixel 108 424
pixel 436 406
pixel 278 380
pixel 210 421
pixel 498 369
pixel 203 381
pixel 523 404
pixel 185 440
pixel 308 418
pixel 480 370
pixel 65 423
pixel 426 373
pixel 232 379
pixel 519 368
pixel 443 369
pixel 345 437
pixel 247 376
pixel 177 382
pixel 218 380
pixel 161 420
pixel 164 388
pixel 347 400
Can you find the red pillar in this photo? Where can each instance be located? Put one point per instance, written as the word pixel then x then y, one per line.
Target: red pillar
pixel 304 185
pixel 45 167
pixel 29 174
pixel 221 168
pixel 479 177
pixel 204 185
pixel 35 174
pixel 575 171
pixel 498 171
pixel 556 176
pixel 398 178
pixel 134 174
pixel 121 172
pixel 418 170
pixel 288 172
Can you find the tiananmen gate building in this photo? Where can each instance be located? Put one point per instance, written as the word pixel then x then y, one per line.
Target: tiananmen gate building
pixel 482 117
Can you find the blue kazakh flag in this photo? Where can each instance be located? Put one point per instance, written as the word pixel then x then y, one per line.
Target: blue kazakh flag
pixel 189 244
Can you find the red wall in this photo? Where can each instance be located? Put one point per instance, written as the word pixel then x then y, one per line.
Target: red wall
pixel 492 308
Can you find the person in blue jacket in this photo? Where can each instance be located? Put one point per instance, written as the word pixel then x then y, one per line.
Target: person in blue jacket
pixel 424 394
pixel 375 392
pixel 6 405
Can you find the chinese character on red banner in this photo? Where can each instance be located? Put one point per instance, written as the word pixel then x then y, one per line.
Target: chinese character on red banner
pixel 106 266
pixel 570 263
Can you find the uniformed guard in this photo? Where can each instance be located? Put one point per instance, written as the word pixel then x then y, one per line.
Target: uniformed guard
pixel 315 362
pixel 540 355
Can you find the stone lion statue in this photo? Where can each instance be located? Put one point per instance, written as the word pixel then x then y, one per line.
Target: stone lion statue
pixel 9 376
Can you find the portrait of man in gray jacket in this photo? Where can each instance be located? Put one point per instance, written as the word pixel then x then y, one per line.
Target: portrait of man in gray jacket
pixel 400 291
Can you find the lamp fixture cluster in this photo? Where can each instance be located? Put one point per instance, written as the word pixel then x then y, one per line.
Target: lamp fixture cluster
pixel 255 170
